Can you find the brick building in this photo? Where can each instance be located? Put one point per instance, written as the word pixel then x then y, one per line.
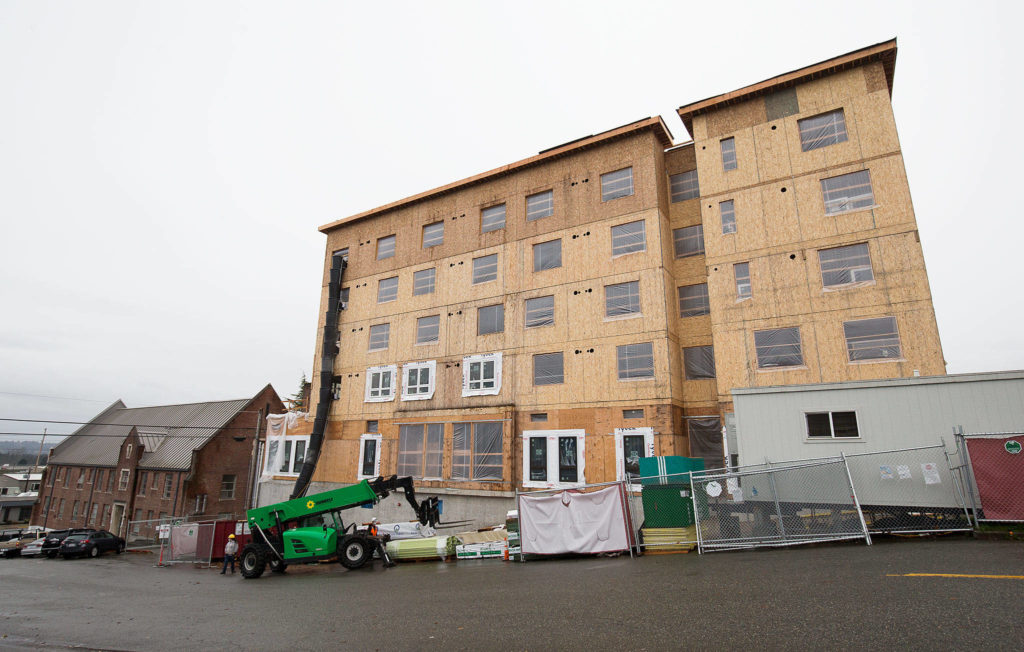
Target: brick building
pixel 193 460
pixel 538 324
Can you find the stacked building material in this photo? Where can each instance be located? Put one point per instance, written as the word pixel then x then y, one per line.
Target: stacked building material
pixel 420 549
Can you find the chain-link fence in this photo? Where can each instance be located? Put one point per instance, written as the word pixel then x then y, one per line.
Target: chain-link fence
pixel 145 534
pixel 992 466
pixel 174 539
pixel 661 508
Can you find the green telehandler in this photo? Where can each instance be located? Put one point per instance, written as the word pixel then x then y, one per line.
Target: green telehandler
pixel 310 529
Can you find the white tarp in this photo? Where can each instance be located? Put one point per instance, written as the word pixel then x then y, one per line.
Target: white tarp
pixel 573 522
pixel 277 428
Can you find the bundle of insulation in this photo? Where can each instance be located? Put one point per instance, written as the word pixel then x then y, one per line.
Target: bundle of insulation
pixel 409 530
pixel 428 548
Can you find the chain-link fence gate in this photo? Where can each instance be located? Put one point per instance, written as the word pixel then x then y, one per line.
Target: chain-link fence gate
pixel 183 542
pixel 992 468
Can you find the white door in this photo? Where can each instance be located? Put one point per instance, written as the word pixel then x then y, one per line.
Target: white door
pixel 116 516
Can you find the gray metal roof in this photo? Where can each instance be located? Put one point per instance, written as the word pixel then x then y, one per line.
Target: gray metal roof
pixel 884 382
pixel 169 434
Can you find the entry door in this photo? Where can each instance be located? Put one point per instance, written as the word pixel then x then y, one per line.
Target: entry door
pixel 116 515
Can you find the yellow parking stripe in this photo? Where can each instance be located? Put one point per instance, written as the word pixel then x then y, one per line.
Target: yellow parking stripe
pixel 987 577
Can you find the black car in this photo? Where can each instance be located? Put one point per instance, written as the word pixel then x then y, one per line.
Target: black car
pixel 93 544
pixel 53 539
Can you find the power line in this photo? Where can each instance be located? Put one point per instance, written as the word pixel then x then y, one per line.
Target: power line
pixel 129 425
pixel 58 398
pixel 70 434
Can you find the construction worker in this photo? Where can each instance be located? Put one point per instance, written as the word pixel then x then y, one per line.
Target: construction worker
pixel 230 548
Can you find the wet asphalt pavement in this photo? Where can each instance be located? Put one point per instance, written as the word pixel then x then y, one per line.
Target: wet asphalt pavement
pixel 838 596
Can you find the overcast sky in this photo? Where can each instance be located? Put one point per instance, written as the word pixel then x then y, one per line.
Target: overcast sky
pixel 164 166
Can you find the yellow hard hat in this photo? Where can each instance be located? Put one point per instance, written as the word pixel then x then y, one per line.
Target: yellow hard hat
pixel 231 536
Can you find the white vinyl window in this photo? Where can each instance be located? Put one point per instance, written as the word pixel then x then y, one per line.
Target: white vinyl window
pixel 632 444
pixel 481 374
pixel 872 339
pixel 617 184
pixel 380 383
pixel 418 380
pixel 292 459
pixel 540 205
pixel 554 458
pixel 433 234
pixel 842 266
pixel 822 130
pixel 688 241
pixel 683 186
pixel 423 281
pixel 629 238
pixel 847 192
pixel 122 484
pixel 492 218
pixel 369 457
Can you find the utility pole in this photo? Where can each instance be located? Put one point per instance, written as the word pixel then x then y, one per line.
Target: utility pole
pixel 39 455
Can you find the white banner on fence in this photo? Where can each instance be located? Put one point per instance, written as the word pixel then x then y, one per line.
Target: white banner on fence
pixel 570 522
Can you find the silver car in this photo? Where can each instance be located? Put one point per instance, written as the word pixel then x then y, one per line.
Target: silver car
pixel 33 549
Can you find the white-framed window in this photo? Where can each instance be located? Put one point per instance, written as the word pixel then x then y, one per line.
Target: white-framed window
pixel 832 425
pixel 127 456
pixel 433 234
pixel 481 374
pixel 418 380
pixel 683 186
pixel 744 290
pixel 369 457
pixel 872 339
pixel 423 281
pixel 631 444
pixel 617 184
pixel 421 450
pixel 778 347
pixel 847 192
pixel 485 268
pixel 629 238
pixel 492 218
pixel 477 451
pixel 729 161
pixel 554 458
pixel 688 241
pixel 379 336
pixel 385 247
pixel 728 210
pixel 380 383
pixel 122 483
pixel 292 459
pixel 842 266
pixel 541 204
pixel 227 486
pixel 822 130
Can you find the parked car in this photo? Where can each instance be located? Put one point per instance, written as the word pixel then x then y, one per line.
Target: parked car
pixel 34 548
pixel 92 544
pixel 12 547
pixel 53 540
pixel 7 535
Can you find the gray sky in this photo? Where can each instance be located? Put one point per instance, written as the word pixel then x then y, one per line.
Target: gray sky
pixel 164 166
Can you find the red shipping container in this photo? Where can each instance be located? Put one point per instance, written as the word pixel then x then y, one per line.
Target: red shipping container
pixel 221 531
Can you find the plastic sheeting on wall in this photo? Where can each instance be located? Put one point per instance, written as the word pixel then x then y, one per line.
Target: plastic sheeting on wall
pixel 622 299
pixel 477 451
pixel 844 266
pixel 778 348
pixel 872 339
pixel 540 311
pixel 573 522
pixel 699 362
pixel 547 255
pixel 706 441
pixel 548 369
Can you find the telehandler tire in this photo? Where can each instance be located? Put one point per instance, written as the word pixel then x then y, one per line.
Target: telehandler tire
pixel 253 561
pixel 276 565
pixel 354 552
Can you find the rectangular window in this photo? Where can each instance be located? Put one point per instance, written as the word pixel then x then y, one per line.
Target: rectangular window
pixel 872 339
pixel 628 238
pixel 433 234
pixel 420 450
pixel 380 383
pixel 553 458
pixel 336 388
pixel 74 510
pixel 632 445
pixel 227 487
pixel 110 480
pixel 540 311
pixel 699 362
pixel 81 472
pixel 688 241
pixel 46 505
pixel 539 416
pixel 423 281
pixel 168 485
pixel 622 299
pixel 705 436
pixel 729 154
pixel 832 425
pixel 633 414
pixel 778 348
pixel 683 186
pixel 822 130
pixel 728 211
pixel 156 481
pixel 547 255
pixel 385 247
pixel 379 336
pixel 95 513
pixel 343 298
pixel 387 289
pixel 617 184
pixel 492 218
pixel 743 288
pixel 369 457
pixel 292 458
pixel 490 319
pixel 693 300
pixel 485 268
pixel 428 329
pixel 548 369
pixel 847 192
pixel 481 374
pixel 635 360
pixel 60 509
pixel 845 265
pixel 540 205
pixel 418 380
pixel 122 484
pixel 477 451
pixel 142 482
pixel 372 426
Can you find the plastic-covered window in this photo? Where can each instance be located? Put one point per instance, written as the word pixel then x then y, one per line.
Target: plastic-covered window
pixel 743 288
pixel 540 311
pixel 778 348
pixel 872 339
pixel 385 247
pixel 547 255
pixel 822 130
pixel 420 450
pixel 490 319
pixel 433 234
pixel 688 241
pixel 492 218
pixel 379 335
pixel 477 451
pixel 683 186
pixel 706 441
pixel 427 329
pixel 540 205
pixel 845 265
pixel 693 300
pixel 728 210
pixel 485 268
pixel 548 369
pixel 622 299
pixel 635 360
pixel 628 238
pixel 617 184
pixel 423 281
pixel 387 289
pixel 847 192
pixel 729 154
pixel 699 362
